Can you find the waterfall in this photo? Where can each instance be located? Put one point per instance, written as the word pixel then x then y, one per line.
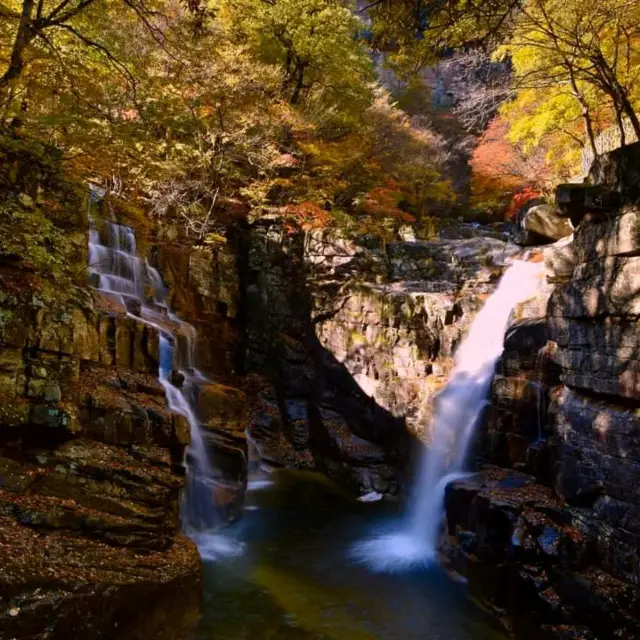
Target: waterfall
pixel 116 269
pixel 458 409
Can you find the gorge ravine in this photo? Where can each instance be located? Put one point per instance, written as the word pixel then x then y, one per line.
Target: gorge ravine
pixel 328 350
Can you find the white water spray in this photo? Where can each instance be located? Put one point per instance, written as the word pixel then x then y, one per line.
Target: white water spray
pixel 458 408
pixel 116 270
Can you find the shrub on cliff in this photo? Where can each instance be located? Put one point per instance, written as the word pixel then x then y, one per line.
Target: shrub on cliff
pixel 42 214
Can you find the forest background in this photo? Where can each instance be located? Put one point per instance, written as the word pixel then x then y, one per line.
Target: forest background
pixel 326 112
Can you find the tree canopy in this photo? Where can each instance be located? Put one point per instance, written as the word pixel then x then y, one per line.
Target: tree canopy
pixel 201 109
pixel 573 66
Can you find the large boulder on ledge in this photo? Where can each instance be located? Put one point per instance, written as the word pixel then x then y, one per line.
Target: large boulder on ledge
pixel 541 224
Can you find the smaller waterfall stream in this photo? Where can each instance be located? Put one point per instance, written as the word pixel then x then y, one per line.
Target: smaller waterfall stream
pixel 458 409
pixel 116 269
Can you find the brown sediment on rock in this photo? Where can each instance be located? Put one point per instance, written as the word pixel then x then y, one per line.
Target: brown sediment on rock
pixel 58 585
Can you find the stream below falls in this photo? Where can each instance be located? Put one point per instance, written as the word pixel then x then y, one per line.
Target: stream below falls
pixel 294 579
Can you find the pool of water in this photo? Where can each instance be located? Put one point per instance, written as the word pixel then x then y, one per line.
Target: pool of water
pixel 295 580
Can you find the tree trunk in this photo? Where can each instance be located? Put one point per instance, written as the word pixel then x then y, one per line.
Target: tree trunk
pixel 632 115
pixel 586 115
pixel 620 121
pixel 619 94
pixel 299 86
pixel 624 107
pixel 590 133
pixel 24 36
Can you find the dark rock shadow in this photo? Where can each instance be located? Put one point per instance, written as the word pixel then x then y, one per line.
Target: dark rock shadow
pixel 310 412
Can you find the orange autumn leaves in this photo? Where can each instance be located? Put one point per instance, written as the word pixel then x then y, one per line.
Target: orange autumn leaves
pixel 383 202
pixel 379 203
pixel 503 178
pixel 307 216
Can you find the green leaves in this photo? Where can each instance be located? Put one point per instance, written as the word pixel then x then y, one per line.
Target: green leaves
pixel 312 42
pixel 29 238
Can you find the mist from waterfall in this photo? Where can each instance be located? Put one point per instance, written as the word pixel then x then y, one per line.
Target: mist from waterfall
pixel 458 409
pixel 116 270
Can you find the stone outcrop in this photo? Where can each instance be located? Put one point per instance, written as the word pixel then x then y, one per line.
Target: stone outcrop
pixel 540 224
pixel 593 318
pixel 562 538
pixel 90 468
pixel 307 410
pixel 204 290
pixel 348 340
pixel 575 200
pixel 594 322
pixel 516 430
pixel 535 560
pixel 619 171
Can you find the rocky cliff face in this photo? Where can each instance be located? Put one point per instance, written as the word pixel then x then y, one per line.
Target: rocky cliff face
pixel 348 340
pixel 91 460
pixel 552 536
pixel 90 476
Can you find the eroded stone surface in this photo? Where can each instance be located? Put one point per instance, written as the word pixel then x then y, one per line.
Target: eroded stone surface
pixel 352 339
pixel 529 554
pixel 59 585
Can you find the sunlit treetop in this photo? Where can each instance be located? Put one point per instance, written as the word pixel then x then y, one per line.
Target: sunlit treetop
pixel 313 41
pixel 416 33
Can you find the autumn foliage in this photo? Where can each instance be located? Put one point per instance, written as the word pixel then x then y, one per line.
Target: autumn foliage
pixel 307 216
pixel 502 176
pixel 384 202
pixel 200 110
pixel 520 199
pixel 204 112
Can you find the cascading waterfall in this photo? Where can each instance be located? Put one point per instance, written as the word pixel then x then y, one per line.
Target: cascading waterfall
pixel 116 269
pixel 458 409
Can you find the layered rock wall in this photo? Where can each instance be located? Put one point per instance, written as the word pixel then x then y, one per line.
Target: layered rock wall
pixel 91 459
pixel 555 521
pixel 90 476
pixel 594 320
pixel 350 339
